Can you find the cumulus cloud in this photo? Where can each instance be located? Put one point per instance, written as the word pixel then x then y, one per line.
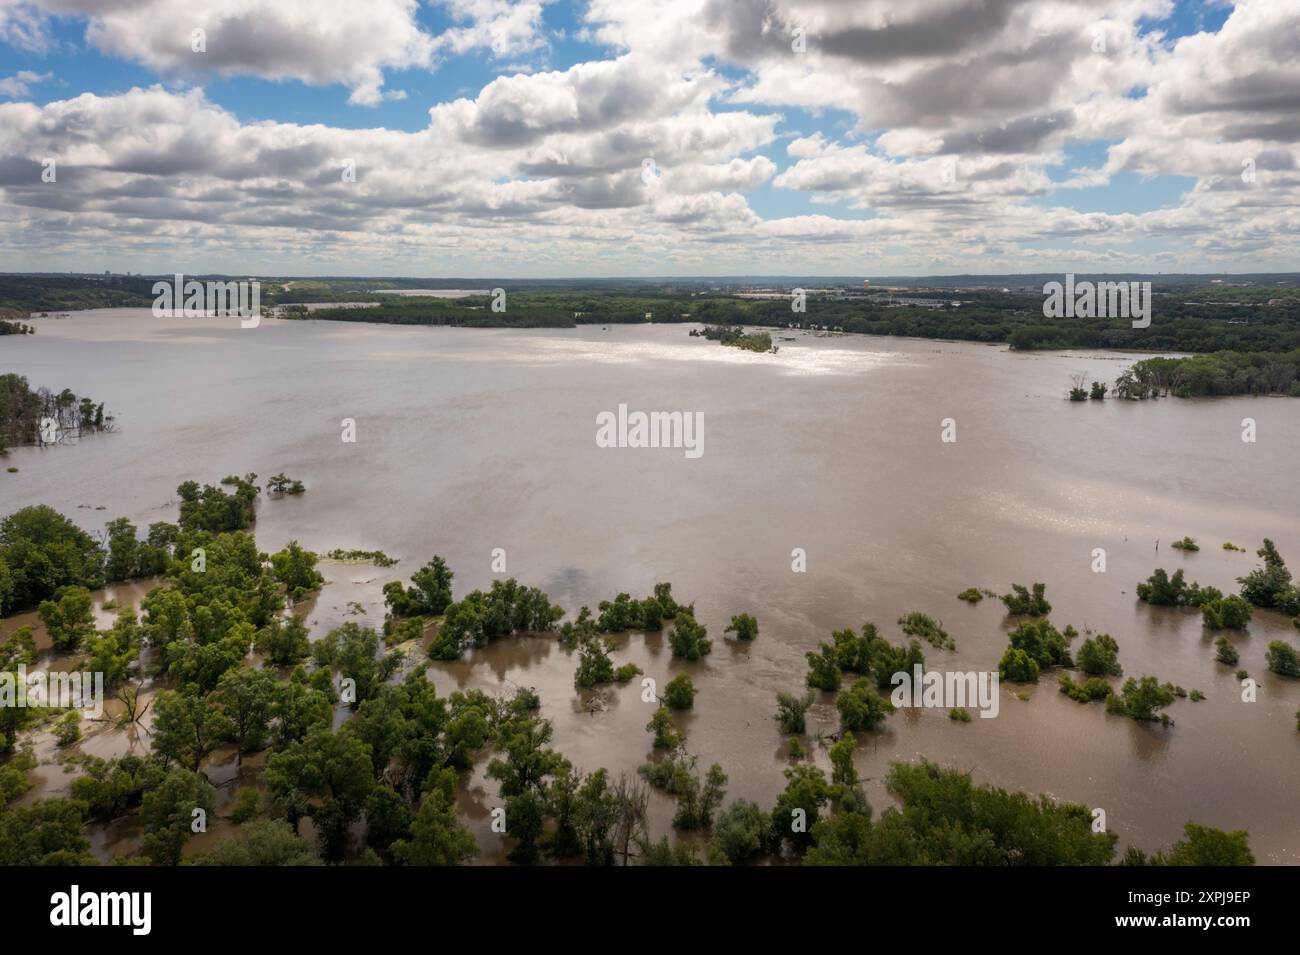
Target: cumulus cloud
pixel 933 135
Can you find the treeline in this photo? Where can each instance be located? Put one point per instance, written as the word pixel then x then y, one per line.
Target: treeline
pixel 33 294
pixel 43 417
pixel 471 312
pixel 1220 373
pixel 8 327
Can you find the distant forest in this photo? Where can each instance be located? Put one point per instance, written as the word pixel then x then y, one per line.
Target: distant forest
pixel 1246 334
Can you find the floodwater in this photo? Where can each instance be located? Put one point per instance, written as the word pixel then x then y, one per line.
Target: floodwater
pixel 473 439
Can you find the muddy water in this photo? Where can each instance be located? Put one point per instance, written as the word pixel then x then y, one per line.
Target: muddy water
pixel 469 440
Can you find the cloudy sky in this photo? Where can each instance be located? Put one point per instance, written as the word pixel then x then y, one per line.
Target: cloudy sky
pixel 649 137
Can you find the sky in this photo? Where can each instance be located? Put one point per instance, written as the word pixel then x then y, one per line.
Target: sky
pixel 546 138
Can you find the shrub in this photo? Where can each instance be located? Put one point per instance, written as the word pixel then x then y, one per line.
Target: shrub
pixel 679 694
pixel 791 711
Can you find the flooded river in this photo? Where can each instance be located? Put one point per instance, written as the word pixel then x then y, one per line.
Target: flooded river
pixel 472 440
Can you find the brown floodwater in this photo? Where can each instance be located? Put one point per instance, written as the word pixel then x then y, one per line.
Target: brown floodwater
pixel 473 439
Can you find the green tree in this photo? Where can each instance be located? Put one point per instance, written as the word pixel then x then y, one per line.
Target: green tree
pixel 44 551
pixel 187 728
pixel 285 642
pixel 263 842
pixel 823 669
pixel 68 619
pixel 1282 659
pixel 1225 652
pixel 123 551
pixel 791 711
pixel 743 626
pixel 689 639
pixel 49 832
pixel 1142 699
pixel 594 665
pixel 168 813
pixel 739 833
pixel 679 694
pixel 247 697
pixel 665 733
pixel 861 707
pixel 296 569
pixel 798 807
pixel 437 836
pixel 326 776
pixel 1099 656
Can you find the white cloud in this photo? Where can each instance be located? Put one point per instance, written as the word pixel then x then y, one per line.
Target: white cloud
pixel 952 118
pixel 20 84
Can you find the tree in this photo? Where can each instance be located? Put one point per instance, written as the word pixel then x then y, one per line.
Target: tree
pixel 679 694
pixel 595 814
pixel 263 842
pixel 798 807
pixel 186 728
pixel 861 707
pixel 285 642
pixel 1282 659
pixel 68 619
pixel 1225 652
pixel 43 552
pixel 1270 586
pixel 594 665
pixel 1017 666
pixel 823 669
pixel 246 697
pixel 49 832
pixel 631 802
pixel 437 836
pixel 739 833
pixel 1099 656
pixel 696 804
pixel 1142 699
pixel 665 733
pixel 113 651
pixel 296 569
pixel 353 651
pixel 326 776
pixel 112 788
pixel 123 551
pixel 744 627
pixel 1205 846
pixel 168 813
pixel 689 639
pixel 1046 645
pixel 1226 613
pixel 429 595
pixel 1020 602
pixel 166 617
pixel 296 710
pixel 791 710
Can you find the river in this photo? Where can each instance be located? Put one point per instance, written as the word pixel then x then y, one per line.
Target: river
pixel 469 440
